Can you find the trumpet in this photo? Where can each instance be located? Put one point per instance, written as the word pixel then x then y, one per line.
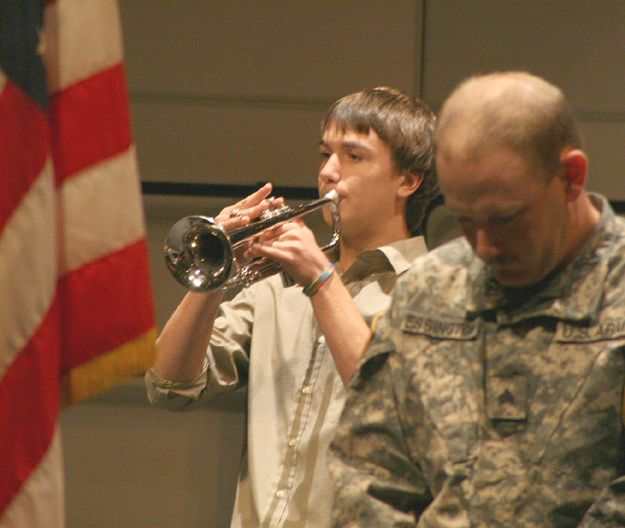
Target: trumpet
pixel 200 254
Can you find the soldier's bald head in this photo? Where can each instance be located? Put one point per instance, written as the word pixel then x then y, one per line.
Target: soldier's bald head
pixel 516 110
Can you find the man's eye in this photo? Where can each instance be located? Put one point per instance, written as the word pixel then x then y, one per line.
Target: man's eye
pixel 354 157
pixel 465 223
pixel 504 219
pixel 324 154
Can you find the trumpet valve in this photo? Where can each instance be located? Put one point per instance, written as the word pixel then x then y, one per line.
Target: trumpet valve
pixel 271 213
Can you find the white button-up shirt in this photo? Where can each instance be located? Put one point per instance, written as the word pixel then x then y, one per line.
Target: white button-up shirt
pixel 267 337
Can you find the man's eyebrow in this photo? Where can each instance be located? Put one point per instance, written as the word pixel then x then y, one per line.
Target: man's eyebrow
pixel 492 215
pixel 353 144
pixel 345 144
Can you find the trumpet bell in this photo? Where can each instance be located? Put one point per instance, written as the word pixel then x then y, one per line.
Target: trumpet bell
pixel 198 254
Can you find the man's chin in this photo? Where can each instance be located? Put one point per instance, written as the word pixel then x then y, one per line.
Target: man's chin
pixel 513 278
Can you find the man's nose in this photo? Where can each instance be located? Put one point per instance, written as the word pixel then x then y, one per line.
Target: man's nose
pixel 484 246
pixel 330 172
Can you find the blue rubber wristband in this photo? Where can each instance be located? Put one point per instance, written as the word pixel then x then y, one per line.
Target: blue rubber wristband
pixel 312 288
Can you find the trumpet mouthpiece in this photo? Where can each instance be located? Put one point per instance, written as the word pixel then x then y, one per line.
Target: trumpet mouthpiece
pixel 332 195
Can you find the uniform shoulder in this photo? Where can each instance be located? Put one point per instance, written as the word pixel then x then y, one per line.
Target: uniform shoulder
pixel 440 274
pixel 449 257
pixel 613 251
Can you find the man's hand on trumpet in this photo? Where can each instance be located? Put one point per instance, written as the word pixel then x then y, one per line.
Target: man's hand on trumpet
pixel 248 209
pixel 294 246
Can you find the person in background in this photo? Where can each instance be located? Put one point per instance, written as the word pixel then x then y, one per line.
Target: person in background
pixel 491 393
pixel 294 347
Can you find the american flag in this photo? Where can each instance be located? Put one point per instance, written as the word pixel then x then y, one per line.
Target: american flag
pixel 76 308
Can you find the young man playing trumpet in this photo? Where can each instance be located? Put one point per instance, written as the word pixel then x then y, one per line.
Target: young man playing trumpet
pixel 295 347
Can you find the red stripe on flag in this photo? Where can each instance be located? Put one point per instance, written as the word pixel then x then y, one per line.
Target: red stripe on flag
pixel 29 407
pixel 23 147
pixel 91 122
pixel 105 304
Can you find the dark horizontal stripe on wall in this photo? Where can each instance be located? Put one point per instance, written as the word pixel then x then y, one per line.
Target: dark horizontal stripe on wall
pixel 236 101
pixel 220 190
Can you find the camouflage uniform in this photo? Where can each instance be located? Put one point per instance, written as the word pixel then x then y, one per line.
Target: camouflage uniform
pixel 474 407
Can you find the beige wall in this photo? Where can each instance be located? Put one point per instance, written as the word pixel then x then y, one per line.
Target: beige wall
pixel 232 92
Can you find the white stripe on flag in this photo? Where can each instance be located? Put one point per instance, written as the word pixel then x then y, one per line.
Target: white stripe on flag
pixel 83 38
pixel 41 500
pixel 28 267
pixel 102 211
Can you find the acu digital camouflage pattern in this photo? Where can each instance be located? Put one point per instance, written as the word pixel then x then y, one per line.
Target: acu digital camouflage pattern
pixel 477 408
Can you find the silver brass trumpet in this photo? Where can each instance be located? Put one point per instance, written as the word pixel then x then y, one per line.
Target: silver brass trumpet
pixel 201 255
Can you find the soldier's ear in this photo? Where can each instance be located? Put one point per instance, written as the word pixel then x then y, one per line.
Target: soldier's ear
pixel 574 172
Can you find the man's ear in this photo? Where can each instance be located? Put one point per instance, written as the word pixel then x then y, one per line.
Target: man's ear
pixel 574 172
pixel 410 182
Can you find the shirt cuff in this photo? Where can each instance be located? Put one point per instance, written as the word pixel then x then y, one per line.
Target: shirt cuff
pixel 162 391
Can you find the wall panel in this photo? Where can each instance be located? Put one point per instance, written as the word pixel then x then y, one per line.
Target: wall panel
pixel 132 466
pixel 233 92
pixel 270 50
pixel 576 44
pixel 605 144
pixel 180 142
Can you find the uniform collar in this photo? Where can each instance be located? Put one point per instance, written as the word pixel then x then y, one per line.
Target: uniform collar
pixel 574 293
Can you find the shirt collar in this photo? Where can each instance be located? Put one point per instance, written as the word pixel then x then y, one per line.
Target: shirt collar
pixel 397 257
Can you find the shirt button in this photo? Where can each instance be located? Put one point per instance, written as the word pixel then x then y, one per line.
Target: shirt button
pixel 280 493
pixel 307 389
pixel 292 442
pixel 321 340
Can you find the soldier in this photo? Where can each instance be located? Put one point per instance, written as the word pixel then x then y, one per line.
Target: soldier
pixel 491 393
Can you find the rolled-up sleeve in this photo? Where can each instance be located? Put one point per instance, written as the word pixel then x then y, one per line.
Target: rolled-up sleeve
pixel 226 364
pixel 175 396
